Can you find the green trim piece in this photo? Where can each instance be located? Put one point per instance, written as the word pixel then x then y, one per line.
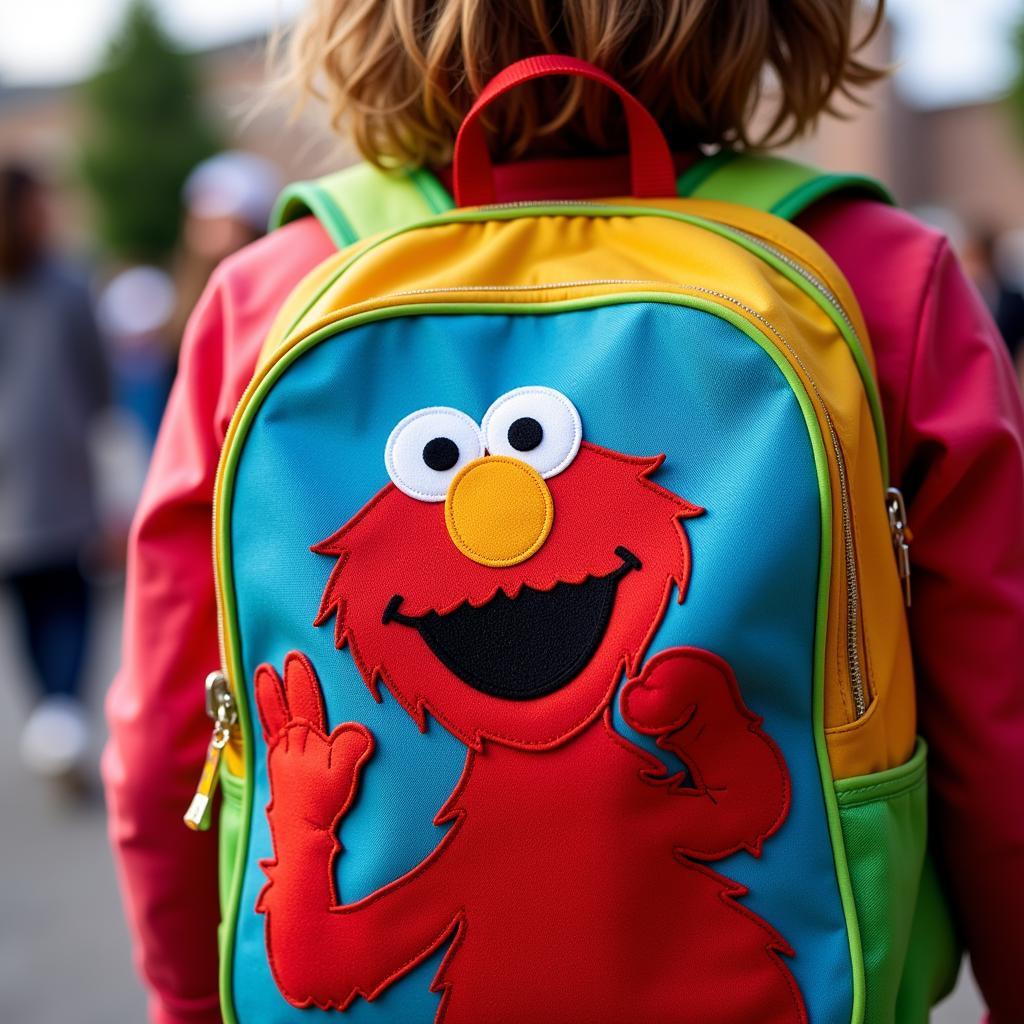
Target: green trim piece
pixel 866 789
pixel 361 201
pixel 436 195
pixel 695 175
pixel 233 855
pixel 223 543
pixel 233 790
pixel 782 187
pixel 908 951
pixel 309 197
pixel 755 181
pixel 606 210
pixel 792 205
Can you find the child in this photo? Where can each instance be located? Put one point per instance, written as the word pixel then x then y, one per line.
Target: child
pixel 400 77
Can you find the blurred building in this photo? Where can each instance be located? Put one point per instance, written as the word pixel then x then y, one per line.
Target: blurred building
pixel 969 159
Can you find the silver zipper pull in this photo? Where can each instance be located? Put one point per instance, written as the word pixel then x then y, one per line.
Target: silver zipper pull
pixel 220 706
pixel 901 537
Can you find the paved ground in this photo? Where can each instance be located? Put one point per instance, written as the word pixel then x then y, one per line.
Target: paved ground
pixel 64 955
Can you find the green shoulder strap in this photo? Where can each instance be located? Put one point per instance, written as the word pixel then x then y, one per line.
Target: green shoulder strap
pixel 770 183
pixel 362 200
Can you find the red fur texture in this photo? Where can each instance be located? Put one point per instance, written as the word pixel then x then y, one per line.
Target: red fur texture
pixel 399 545
pixel 572 885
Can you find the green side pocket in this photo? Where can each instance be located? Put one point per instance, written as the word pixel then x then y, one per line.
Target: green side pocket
pixel 232 791
pixel 910 952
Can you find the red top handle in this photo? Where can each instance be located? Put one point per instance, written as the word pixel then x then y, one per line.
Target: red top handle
pixel 651 167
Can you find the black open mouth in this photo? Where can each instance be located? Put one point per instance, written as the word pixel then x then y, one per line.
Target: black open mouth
pixel 524 646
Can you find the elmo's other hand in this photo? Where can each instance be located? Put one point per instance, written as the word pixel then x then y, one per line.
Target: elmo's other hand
pixel 738 786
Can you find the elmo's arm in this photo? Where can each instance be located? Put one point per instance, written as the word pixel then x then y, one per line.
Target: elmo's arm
pixel 323 952
pixel 738 791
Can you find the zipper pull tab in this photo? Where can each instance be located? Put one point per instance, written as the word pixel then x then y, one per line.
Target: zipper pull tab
pixel 220 706
pixel 901 537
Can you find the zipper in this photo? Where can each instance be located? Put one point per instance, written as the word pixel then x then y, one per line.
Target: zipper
pixel 901 537
pixel 549 286
pixel 857 676
pixel 858 684
pixel 221 708
pixel 521 203
pixel 857 679
pixel 222 647
pixel 779 254
pixel 798 268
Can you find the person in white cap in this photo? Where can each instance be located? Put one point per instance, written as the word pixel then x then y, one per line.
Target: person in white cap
pixel 227 199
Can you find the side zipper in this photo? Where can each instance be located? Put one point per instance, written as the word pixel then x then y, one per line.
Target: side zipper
pixel 859 685
pixel 901 537
pixel 220 706
pixel 206 787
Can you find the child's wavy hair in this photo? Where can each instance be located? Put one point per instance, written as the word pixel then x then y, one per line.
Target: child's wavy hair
pixel 399 75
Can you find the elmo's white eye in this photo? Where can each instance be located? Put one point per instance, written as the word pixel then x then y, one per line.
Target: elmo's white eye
pixel 538 425
pixel 427 449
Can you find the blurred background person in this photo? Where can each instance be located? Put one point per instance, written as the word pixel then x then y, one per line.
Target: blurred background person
pixel 995 263
pixel 1008 260
pixel 53 383
pixel 136 312
pixel 227 199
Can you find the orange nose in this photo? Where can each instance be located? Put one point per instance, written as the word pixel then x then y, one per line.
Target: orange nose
pixel 498 511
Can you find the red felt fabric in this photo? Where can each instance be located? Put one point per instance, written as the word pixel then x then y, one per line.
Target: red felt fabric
pixel 955 437
pixel 602 500
pixel 520 887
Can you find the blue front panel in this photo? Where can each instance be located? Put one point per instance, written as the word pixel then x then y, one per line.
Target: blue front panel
pixel 646 379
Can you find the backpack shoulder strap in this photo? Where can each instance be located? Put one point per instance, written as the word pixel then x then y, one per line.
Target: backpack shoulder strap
pixel 362 200
pixel 782 187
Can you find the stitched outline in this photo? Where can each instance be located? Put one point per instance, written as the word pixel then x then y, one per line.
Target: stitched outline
pixel 729 892
pixel 399 428
pixel 538 484
pixel 446 656
pixel 449 812
pixel 538 389
pixel 374 675
pixel 661 777
pixel 227 606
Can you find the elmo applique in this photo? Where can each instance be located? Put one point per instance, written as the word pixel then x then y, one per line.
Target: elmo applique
pixel 505 582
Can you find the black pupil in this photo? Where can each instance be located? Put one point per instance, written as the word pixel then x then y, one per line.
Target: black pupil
pixel 525 434
pixel 441 453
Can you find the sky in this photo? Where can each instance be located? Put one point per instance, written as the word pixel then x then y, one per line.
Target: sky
pixel 61 40
pixel 951 51
pixel 954 51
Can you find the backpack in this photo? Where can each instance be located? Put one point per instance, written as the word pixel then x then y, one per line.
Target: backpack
pixel 561 592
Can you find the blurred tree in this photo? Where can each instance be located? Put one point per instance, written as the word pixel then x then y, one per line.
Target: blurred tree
pixel 145 130
pixel 1017 89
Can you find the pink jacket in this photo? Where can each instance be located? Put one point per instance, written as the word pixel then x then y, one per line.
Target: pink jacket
pixel 956 443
